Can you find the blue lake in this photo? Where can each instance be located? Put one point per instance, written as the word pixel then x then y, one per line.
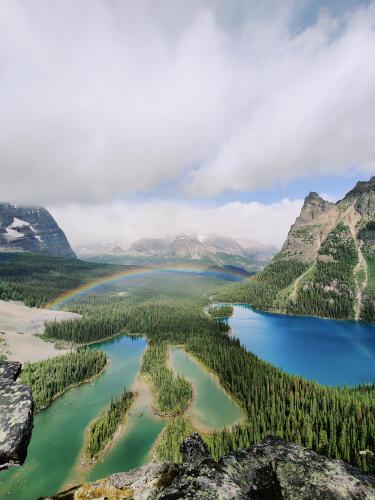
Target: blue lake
pixel 328 351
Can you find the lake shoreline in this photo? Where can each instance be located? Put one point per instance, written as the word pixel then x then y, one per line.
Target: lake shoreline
pixel 77 384
pixel 193 418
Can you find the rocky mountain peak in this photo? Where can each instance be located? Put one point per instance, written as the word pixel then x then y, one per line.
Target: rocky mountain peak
pixel 315 200
pixel 363 196
pixel 313 195
pixel 362 187
pixel 316 219
pixel 31 229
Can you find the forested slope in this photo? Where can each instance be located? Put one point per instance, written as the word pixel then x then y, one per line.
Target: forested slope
pixel 36 279
pixel 327 264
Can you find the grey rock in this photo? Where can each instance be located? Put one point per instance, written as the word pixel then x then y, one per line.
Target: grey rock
pixel 274 469
pixel 315 221
pixel 364 195
pixel 31 229
pixel 16 416
pixel 10 370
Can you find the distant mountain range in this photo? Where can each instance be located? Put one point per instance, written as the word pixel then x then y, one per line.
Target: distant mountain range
pixel 219 250
pixel 31 229
pixel 326 266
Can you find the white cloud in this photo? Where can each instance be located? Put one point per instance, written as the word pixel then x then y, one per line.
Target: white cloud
pixel 125 221
pixel 99 97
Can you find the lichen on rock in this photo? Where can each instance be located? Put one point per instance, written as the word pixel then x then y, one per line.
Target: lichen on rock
pixel 16 416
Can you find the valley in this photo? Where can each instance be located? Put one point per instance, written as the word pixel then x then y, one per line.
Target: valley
pixel 187 250
pixel 212 408
pixel 197 353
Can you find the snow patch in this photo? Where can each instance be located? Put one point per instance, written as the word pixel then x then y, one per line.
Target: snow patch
pixel 13 230
pixel 18 223
pixel 13 234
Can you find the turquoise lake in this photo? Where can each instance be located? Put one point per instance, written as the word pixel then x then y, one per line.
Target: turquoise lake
pixel 59 430
pixel 328 351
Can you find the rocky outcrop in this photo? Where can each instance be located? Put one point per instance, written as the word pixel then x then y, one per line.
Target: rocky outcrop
pixel 31 229
pixel 318 217
pixel 16 416
pixel 316 220
pixel 273 469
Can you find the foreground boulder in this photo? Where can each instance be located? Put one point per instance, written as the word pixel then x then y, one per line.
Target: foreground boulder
pixel 274 469
pixel 16 416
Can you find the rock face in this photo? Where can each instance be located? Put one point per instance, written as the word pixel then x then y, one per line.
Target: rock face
pixel 273 469
pixel 31 229
pixel 316 220
pixel 16 416
pixel 318 217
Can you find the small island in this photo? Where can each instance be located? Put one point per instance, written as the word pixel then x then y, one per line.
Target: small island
pixel 102 430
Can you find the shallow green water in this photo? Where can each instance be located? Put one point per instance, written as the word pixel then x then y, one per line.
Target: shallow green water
pixel 58 431
pixel 212 406
pixel 57 439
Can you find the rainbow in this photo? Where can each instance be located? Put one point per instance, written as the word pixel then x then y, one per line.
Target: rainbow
pixel 137 271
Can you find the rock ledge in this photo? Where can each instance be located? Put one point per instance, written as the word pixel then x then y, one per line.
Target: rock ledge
pixel 273 469
pixel 16 416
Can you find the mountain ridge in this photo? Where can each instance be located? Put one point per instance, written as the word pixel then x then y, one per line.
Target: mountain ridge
pixel 214 249
pixel 326 266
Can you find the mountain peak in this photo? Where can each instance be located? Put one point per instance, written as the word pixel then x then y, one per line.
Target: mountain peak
pixel 31 229
pixel 315 199
pixel 361 187
pixel 312 195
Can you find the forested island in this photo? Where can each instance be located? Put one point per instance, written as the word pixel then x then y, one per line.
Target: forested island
pixel 220 311
pixel 48 379
pixel 103 428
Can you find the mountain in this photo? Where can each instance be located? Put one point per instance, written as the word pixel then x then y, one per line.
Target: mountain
pixel 148 247
pixel 191 247
pixel 100 248
pixel 31 229
pixel 211 249
pixel 326 266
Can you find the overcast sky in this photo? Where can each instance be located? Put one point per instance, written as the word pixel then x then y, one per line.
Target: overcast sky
pixel 136 118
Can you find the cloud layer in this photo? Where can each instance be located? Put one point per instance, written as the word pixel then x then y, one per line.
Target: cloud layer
pixel 101 98
pixel 126 222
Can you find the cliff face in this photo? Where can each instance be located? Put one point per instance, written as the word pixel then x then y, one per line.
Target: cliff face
pixel 319 217
pixel 31 229
pixel 16 416
pixel 316 220
pixel 273 469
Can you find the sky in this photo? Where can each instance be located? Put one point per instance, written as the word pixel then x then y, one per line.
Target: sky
pixel 129 119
